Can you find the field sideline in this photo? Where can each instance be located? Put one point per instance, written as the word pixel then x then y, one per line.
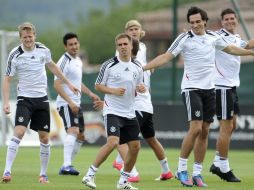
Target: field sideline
pixel 26 170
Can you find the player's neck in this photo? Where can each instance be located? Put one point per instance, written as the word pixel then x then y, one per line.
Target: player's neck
pixel 124 58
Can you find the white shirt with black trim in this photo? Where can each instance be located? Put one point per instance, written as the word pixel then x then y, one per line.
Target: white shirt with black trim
pixel 72 70
pixel 29 66
pixel 199 58
pixel 143 101
pixel 227 65
pixel 115 73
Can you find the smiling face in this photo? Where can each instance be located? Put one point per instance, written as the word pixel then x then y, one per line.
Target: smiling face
pixel 27 38
pixel 72 46
pixel 229 22
pixel 197 24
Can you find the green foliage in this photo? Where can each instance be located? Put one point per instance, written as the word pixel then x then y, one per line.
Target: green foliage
pixel 98 30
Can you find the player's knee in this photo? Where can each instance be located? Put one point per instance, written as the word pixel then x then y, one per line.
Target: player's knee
pixel 134 147
pixel 112 144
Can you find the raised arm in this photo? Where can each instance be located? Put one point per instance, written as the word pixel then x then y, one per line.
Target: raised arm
pixel 234 50
pixel 56 71
pixel 250 44
pixel 159 60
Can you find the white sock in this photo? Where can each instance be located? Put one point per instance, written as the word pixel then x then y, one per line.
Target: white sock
pixel 68 148
pixel 76 149
pixel 164 165
pixel 216 160
pixel 12 151
pixel 134 172
pixel 197 169
pixel 224 165
pixel 92 171
pixel 44 156
pixel 123 177
pixel 119 159
pixel 182 164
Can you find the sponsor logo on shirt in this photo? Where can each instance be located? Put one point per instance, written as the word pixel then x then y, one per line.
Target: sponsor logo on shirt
pixel 126 69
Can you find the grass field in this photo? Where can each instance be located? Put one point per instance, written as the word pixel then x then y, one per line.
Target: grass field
pixel 26 169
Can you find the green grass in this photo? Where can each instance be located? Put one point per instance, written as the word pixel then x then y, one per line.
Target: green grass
pixel 26 169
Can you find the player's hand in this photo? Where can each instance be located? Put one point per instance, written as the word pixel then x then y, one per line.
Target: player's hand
pixel 141 88
pixel 98 105
pixel 74 89
pixel 6 108
pixel 119 91
pixel 94 97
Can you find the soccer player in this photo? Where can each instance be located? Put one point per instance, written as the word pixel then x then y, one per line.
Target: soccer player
pixel 226 82
pixel 28 62
pixel 120 78
pixel 144 111
pixel 68 104
pixel 198 49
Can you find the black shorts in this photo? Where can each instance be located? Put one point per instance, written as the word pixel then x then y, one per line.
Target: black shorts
pixel 226 103
pixel 145 121
pixel 199 104
pixel 33 110
pixel 124 128
pixel 70 119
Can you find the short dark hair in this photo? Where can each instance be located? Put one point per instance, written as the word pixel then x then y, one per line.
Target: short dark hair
pixel 68 36
pixel 196 10
pixel 227 11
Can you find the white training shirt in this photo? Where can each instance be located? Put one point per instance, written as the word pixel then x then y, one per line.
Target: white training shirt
pixel 199 58
pixel 30 69
pixel 115 73
pixel 227 65
pixel 72 70
pixel 143 101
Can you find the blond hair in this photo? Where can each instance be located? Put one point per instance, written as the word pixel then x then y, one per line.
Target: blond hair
pixel 132 23
pixel 26 26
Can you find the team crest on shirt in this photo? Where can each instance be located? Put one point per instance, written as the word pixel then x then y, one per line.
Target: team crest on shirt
pixel 135 75
pixel 42 59
pixel 21 119
pixel 112 129
pixel 197 113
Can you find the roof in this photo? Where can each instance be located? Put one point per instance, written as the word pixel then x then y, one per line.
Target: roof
pixel 158 24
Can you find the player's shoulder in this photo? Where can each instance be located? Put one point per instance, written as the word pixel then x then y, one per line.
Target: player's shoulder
pixel 110 62
pixel 40 45
pixel 212 33
pixel 136 63
pixel 15 52
pixel 65 58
